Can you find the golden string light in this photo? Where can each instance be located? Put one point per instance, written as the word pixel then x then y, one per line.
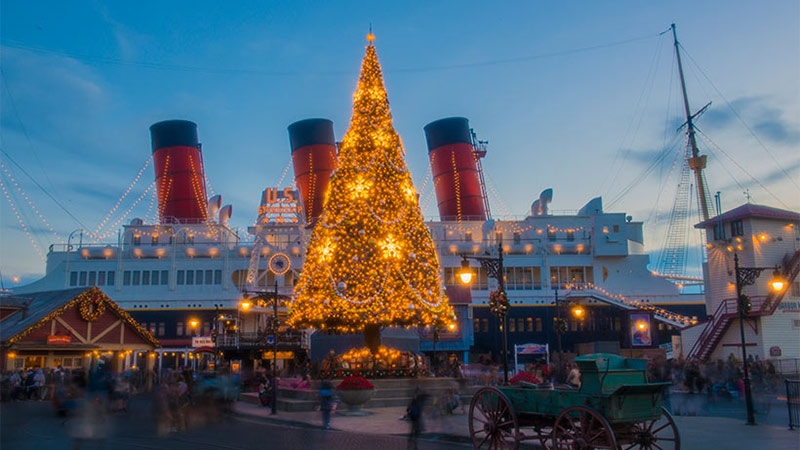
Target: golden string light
pixel 124 215
pixel 372 262
pixel 685 321
pixel 21 222
pixel 30 202
pixel 124 195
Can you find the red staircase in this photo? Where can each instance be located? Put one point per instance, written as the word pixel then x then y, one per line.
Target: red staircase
pixel 715 328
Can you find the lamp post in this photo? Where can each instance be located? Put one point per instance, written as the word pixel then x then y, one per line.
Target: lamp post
pixel 494 269
pixel 746 276
pixel 247 305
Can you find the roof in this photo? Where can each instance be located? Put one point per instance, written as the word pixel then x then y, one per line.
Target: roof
pixel 750 210
pixel 41 305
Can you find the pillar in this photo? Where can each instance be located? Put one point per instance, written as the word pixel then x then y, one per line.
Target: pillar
pixel 150 359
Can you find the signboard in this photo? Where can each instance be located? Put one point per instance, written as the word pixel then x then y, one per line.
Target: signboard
pixel 202 341
pixel 640 330
pixel 59 340
pixel 668 349
pixel 531 349
pixel 279 206
pixel 775 351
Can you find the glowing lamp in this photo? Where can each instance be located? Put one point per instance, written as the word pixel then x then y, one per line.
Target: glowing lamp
pixel 641 325
pixel 452 327
pixel 777 283
pixel 245 305
pixel 577 312
pixel 465 274
pixel 194 323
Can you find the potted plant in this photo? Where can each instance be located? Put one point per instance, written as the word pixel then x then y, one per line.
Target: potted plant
pixel 355 391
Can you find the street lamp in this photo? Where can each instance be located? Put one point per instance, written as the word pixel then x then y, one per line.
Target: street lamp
pixel 193 324
pixel 746 276
pixel 498 302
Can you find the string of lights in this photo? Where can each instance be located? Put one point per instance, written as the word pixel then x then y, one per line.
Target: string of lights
pixel 20 221
pixel 685 321
pixel 123 196
pixel 31 205
pixel 116 224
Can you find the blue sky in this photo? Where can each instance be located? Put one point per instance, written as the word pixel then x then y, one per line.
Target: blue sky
pixel 83 81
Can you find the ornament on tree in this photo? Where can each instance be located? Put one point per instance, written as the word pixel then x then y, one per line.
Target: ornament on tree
pixel 372 213
pixel 498 302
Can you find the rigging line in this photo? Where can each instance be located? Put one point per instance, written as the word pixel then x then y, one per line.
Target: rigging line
pixel 60 205
pixel 125 194
pixel 741 119
pixel 717 147
pixel 649 79
pixel 641 176
pixel 30 203
pixel 24 128
pixel 725 168
pixel 224 70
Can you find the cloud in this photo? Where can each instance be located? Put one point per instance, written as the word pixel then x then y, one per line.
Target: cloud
pixel 766 119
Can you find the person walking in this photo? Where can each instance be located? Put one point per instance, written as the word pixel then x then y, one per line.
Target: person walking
pixel 326 403
pixel 414 414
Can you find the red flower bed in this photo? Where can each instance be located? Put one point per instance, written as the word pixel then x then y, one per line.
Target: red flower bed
pixel 354 383
pixel 524 376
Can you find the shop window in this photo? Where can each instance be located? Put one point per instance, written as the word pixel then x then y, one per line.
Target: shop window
pixel 126 278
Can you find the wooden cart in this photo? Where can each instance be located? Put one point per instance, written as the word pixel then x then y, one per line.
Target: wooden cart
pixel 615 408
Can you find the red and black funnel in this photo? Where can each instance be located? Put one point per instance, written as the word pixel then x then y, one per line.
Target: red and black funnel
pixel 455 170
pixel 314 159
pixel 180 177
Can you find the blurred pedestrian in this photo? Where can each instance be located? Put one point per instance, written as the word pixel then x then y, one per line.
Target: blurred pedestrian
pixel 326 403
pixel 414 414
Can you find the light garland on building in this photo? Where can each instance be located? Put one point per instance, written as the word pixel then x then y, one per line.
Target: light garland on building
pixel 372 261
pixel 685 321
pixel 92 295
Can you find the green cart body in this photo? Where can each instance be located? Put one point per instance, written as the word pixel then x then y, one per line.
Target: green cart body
pixel 614 407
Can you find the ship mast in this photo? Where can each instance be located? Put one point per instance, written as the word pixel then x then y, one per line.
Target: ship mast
pixel 697 162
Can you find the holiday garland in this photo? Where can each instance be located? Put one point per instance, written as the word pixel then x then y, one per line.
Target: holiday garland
pixel 91 294
pixel 498 302
pixel 91 305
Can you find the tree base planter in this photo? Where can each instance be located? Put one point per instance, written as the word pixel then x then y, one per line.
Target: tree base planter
pixel 354 399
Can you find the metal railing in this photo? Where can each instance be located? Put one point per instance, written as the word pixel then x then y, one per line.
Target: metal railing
pixel 793 402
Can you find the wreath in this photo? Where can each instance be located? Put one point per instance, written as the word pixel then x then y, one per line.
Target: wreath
pixel 498 302
pixel 91 306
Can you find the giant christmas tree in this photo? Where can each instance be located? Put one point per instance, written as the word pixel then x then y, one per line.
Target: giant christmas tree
pixel 371 260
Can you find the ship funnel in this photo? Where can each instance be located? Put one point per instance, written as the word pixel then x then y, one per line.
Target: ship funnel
pixel 455 171
pixel 180 177
pixel 314 159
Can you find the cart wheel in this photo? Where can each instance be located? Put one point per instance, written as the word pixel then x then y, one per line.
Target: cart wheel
pixel 492 421
pixel 581 427
pixel 661 433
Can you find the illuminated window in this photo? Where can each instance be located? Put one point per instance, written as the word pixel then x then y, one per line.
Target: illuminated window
pixel 179 331
pixel 476 325
pixel 512 326
pixel 137 239
pixel 154 240
pixel 529 324
pixel 485 325
pixel 570 235
pixel 517 238
pixel 521 324
pixel 538 324
pixel 468 236
pixel 551 235
pixel 162 328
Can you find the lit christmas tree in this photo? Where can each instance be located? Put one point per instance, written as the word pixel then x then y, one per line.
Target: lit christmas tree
pixel 371 261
